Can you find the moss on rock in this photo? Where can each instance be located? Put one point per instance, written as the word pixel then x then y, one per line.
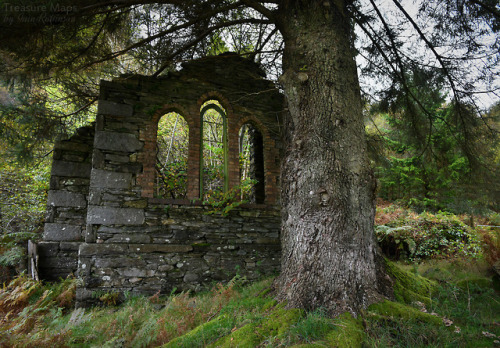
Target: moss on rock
pixel 409 287
pixel 398 310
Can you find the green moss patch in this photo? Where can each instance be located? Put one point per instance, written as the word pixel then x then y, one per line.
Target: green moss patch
pixel 409 287
pixel 397 310
pixel 349 332
pixel 276 325
pixel 203 334
pixel 475 284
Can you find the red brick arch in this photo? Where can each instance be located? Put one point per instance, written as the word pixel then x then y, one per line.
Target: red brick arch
pixel 191 114
pixel 214 95
pixel 271 171
pixel 147 156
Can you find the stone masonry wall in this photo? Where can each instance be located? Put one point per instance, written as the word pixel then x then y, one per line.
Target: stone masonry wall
pixel 103 220
pixel 67 205
pixel 182 248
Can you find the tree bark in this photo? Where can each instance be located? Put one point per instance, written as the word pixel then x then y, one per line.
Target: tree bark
pixel 330 257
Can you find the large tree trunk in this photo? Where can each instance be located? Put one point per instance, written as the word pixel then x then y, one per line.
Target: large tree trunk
pixel 330 256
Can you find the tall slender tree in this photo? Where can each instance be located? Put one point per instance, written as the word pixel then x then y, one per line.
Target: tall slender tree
pixel 330 258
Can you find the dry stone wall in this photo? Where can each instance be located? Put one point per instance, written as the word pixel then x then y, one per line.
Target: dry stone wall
pixel 180 247
pixel 66 205
pixel 104 223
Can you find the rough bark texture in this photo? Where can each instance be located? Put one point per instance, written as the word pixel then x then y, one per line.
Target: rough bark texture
pixel 330 256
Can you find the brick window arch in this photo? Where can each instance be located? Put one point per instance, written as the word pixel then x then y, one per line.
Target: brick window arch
pixel 251 160
pixel 214 178
pixel 172 149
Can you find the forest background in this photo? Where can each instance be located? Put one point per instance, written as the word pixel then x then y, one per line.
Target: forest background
pixel 424 71
pixel 432 139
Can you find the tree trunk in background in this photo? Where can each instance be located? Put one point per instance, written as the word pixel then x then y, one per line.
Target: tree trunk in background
pixel 330 257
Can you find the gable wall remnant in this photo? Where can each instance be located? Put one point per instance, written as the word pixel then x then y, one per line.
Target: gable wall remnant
pixel 105 223
pixel 66 215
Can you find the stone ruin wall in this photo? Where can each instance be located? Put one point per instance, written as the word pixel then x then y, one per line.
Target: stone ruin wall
pixel 103 223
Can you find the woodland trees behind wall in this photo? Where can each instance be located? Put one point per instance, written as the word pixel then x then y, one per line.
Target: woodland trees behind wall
pixel 60 49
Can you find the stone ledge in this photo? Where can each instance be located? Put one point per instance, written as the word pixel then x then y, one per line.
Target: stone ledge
pixel 101 215
pixel 105 107
pixel 113 141
pixel 71 169
pixel 61 232
pixel 107 179
pixel 58 198
pixel 101 250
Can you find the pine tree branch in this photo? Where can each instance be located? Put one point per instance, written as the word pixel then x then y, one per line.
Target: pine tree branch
pixel 431 47
pixel 204 35
pixel 257 6
pixel 490 9
pixel 170 30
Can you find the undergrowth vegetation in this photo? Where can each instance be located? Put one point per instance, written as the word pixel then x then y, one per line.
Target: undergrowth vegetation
pixel 446 297
pixel 462 310
pixel 414 236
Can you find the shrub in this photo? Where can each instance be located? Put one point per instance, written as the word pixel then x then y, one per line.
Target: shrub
pixel 426 235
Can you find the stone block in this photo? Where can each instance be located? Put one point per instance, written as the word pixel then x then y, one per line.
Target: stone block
pixel 134 168
pixel 165 268
pixel 250 213
pixel 117 262
pixel 107 179
pixel 136 272
pixel 129 238
pixel 97 159
pixel 267 241
pixel 159 248
pixel 61 232
pixel 118 158
pixel 69 145
pixel 123 142
pixel 254 228
pixel 91 249
pixel 57 198
pixel 190 278
pixel 196 265
pixel 105 107
pixel 95 197
pixel 70 246
pixel 71 169
pixel 98 215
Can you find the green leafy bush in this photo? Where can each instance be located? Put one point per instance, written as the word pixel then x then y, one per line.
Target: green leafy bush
pixel 223 203
pixel 23 197
pixel 172 181
pixel 426 235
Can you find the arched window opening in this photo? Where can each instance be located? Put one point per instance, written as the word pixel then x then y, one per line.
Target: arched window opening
pixel 214 165
pixel 171 157
pixel 251 164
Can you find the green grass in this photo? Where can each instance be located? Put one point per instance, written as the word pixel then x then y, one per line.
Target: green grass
pixel 461 310
pixel 440 302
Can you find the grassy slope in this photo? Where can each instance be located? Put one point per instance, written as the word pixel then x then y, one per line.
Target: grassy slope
pixel 440 303
pixel 458 309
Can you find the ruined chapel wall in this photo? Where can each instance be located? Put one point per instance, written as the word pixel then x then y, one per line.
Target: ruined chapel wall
pixel 180 247
pixel 102 218
pixel 66 205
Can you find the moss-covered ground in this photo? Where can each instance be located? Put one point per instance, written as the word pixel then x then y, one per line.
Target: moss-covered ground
pixel 438 302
